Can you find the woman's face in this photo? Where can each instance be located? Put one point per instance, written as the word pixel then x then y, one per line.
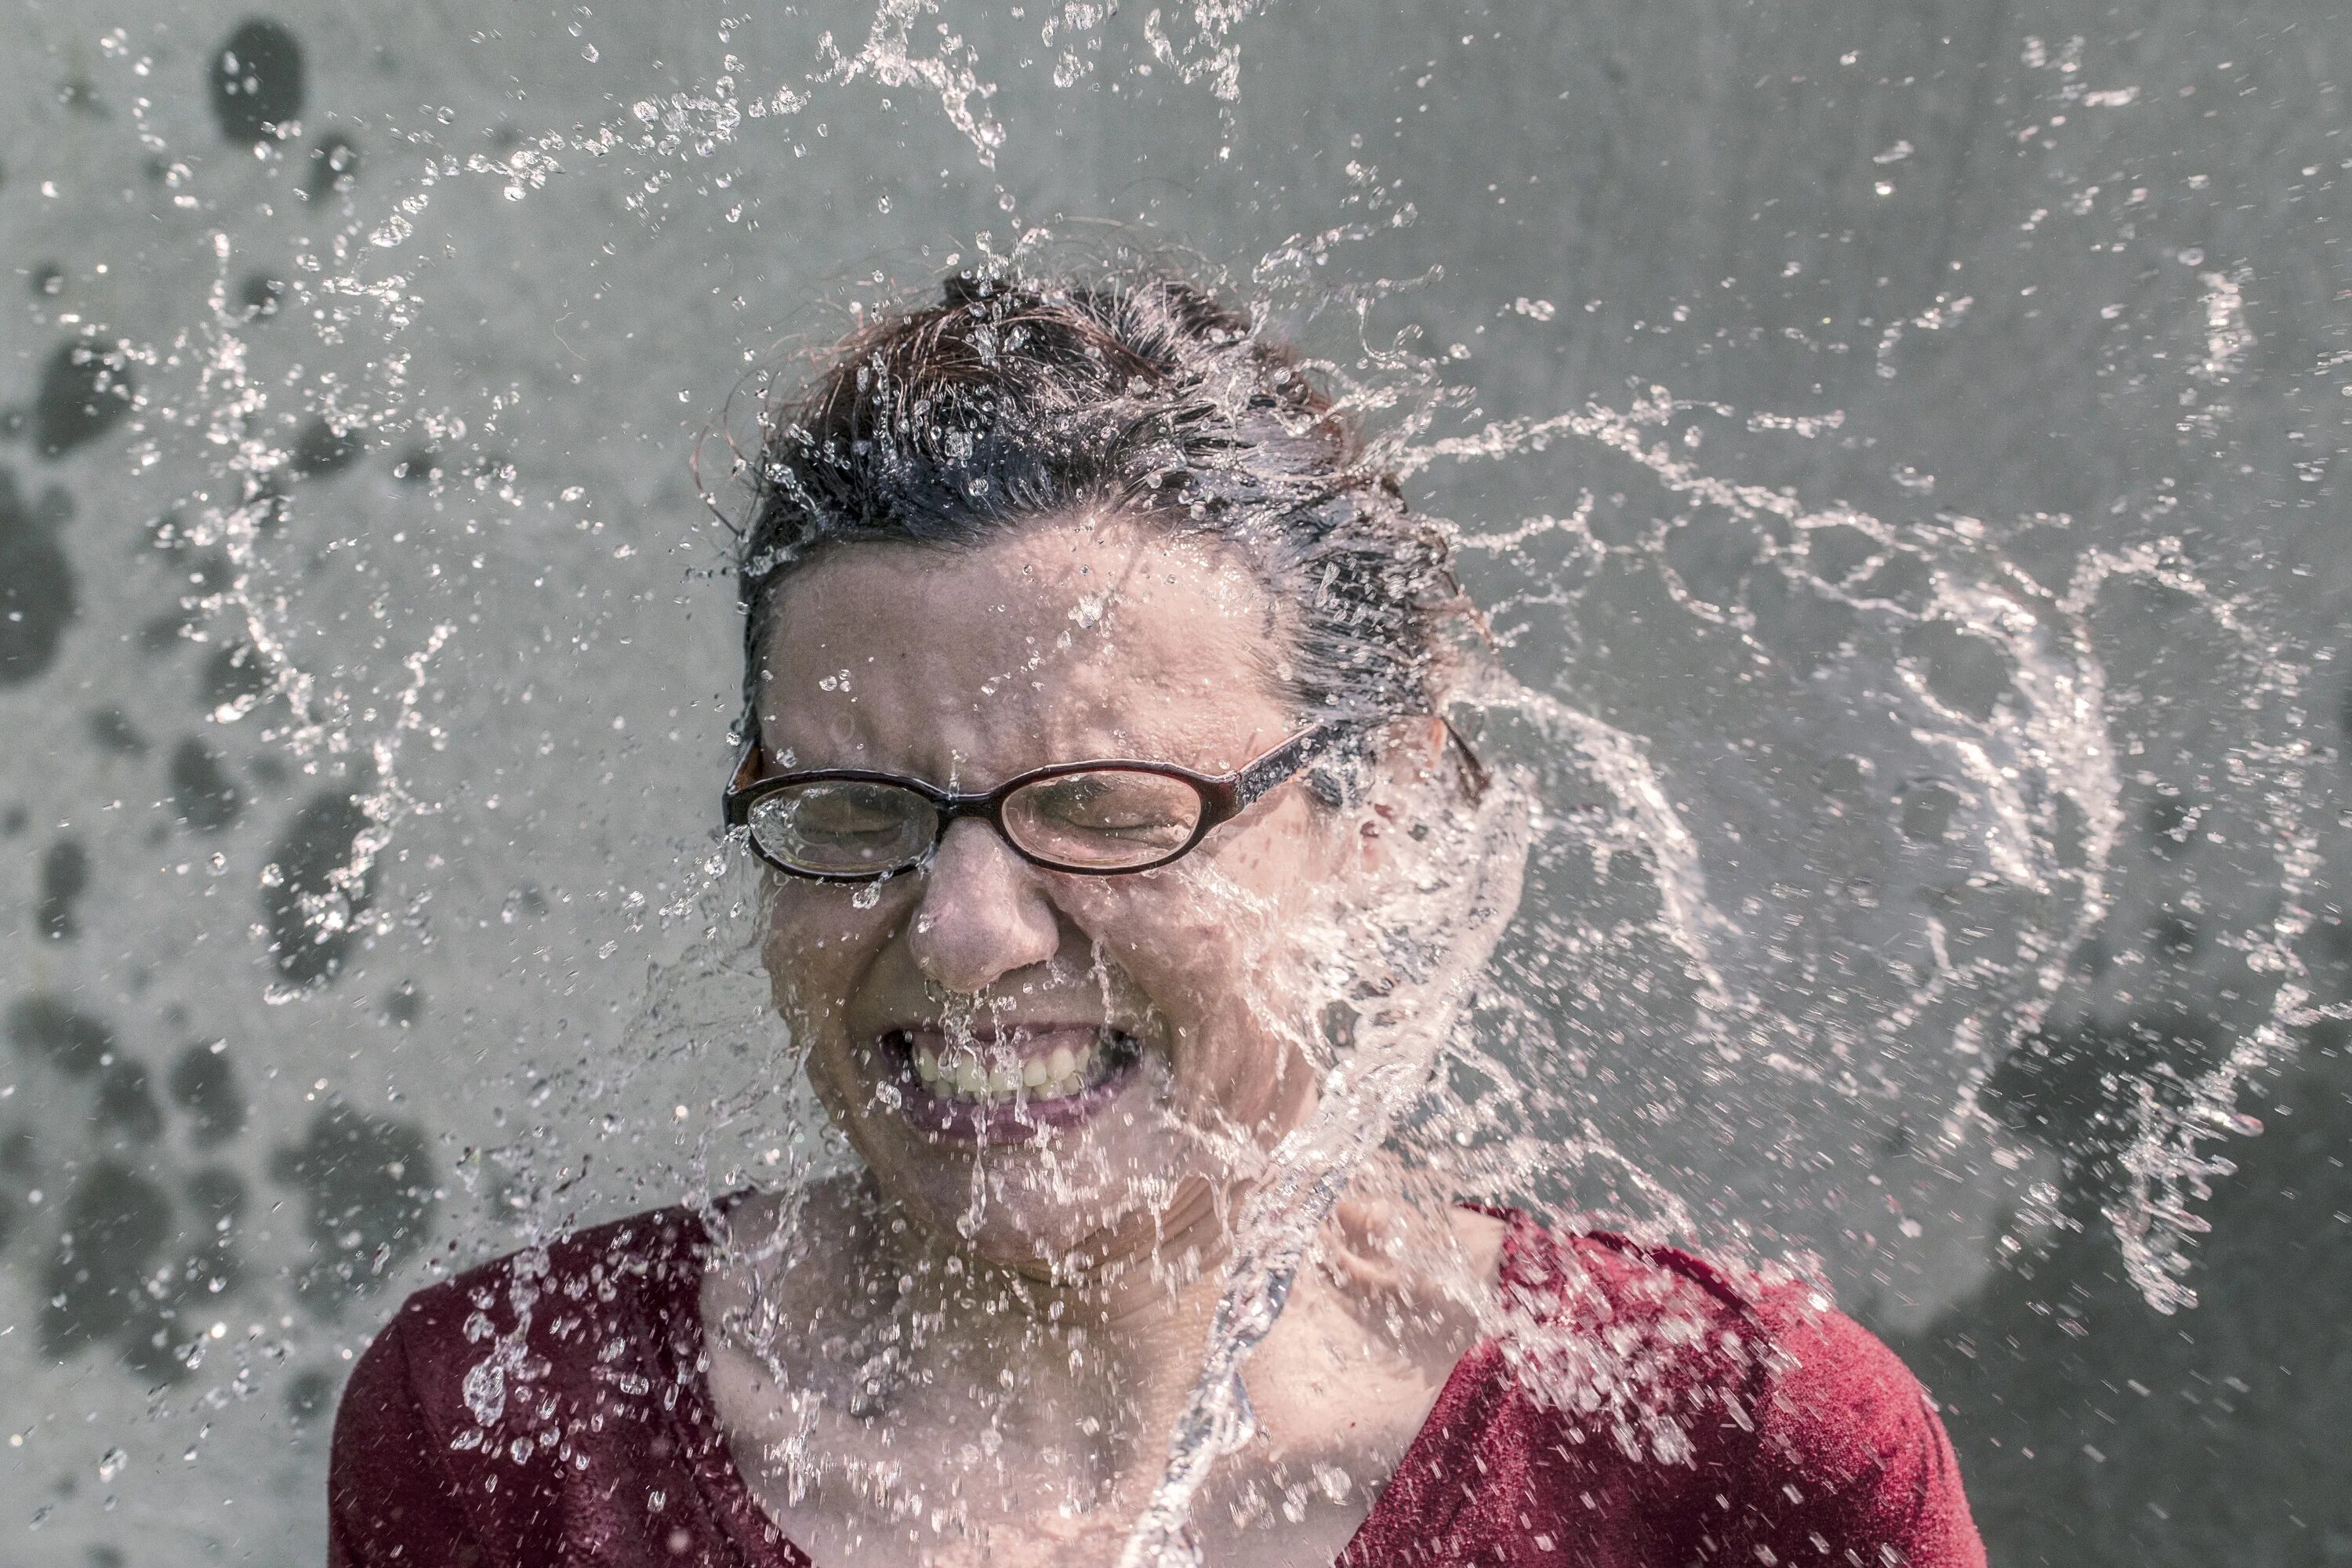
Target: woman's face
pixel 1065 1070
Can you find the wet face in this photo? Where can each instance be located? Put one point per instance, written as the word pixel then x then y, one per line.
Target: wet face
pixel 1070 1072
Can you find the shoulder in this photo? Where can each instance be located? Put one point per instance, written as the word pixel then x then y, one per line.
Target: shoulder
pixel 1803 1422
pixel 549 1384
pixel 1810 1381
pixel 587 1312
pixel 626 1260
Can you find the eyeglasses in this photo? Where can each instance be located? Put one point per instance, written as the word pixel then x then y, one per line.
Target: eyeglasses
pixel 1095 818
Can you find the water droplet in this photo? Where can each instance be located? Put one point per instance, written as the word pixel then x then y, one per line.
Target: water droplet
pixel 485 1389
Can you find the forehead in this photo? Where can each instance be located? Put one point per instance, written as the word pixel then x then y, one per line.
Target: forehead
pixel 1072 636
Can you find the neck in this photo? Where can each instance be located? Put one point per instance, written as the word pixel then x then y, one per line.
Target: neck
pixel 1135 1308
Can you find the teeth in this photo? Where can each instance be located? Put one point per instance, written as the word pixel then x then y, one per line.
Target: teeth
pixel 963 1076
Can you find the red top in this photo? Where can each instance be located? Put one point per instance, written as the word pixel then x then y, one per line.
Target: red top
pixel 551 1408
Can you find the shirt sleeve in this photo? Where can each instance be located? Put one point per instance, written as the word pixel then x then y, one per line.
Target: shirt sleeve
pixel 390 1499
pixel 1850 1466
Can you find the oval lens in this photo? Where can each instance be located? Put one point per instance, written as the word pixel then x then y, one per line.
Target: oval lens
pixel 839 827
pixel 1104 819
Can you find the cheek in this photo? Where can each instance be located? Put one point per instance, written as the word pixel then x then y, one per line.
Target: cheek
pixel 1207 944
pixel 818 944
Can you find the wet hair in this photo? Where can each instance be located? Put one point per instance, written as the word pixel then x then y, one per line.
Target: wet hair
pixel 1008 401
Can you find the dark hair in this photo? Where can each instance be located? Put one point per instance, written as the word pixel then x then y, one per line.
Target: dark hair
pixel 1008 400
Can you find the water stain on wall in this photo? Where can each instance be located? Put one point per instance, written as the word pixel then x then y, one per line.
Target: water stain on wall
pixel 310 895
pixel 334 166
pixel 65 877
pixel 204 1084
pixel 85 390
pixel 234 681
pixel 117 1222
pixel 202 792
pixel 370 1184
pixel 111 730
pixel 126 1104
pixel 310 1397
pixel 37 581
pixel 257 82
pixel 321 449
pixel 47 1029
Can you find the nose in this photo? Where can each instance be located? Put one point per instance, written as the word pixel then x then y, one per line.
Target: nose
pixel 983 914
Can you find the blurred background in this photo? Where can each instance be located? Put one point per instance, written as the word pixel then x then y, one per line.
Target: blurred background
pixel 367 649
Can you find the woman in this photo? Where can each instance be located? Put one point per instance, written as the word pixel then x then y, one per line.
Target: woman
pixel 1117 847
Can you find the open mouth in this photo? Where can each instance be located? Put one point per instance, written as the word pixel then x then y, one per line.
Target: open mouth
pixel 1005 1085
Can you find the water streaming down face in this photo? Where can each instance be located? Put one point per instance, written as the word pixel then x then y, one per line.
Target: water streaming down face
pixel 1849 829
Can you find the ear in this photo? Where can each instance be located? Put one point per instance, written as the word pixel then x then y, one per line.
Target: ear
pixel 1419 747
pixel 1411 752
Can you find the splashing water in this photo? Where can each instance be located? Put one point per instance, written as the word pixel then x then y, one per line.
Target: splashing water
pixel 1833 814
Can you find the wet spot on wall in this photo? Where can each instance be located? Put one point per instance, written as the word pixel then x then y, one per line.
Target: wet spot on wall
pixel 161 634
pixel 166 1334
pixel 65 877
pixel 2170 820
pixel 369 1185
pixel 85 390
pixel 260 296
pixel 2175 933
pixel 310 896
pixel 17 1158
pixel 1927 808
pixel 114 732
pixel 334 166
pixel 404 1005
pixel 235 681
pixel 257 81
pixel 126 1103
pixel 1844 783
pixel 116 1225
pixel 322 449
pixel 1806 629
pixel 202 792
pixel 1965 671
pixel 310 1397
pixel 45 1029
pixel 211 572
pixel 2075 1089
pixel 204 1084
pixel 418 465
pixel 79 94
pixel 37 583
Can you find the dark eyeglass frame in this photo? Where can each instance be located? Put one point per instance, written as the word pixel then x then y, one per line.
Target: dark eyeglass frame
pixel 1223 797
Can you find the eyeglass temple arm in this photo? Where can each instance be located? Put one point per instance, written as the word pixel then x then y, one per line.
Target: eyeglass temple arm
pixel 1279 764
pixel 748 768
pixel 1288 758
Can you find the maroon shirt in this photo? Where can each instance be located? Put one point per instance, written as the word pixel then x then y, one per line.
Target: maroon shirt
pixel 551 1408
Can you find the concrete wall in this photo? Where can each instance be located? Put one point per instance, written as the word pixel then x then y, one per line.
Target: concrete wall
pixel 403 405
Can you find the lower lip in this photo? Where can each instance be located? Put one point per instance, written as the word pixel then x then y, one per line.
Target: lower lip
pixel 1019 1119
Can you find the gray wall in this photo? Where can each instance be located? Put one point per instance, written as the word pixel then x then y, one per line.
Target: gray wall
pixel 445 479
